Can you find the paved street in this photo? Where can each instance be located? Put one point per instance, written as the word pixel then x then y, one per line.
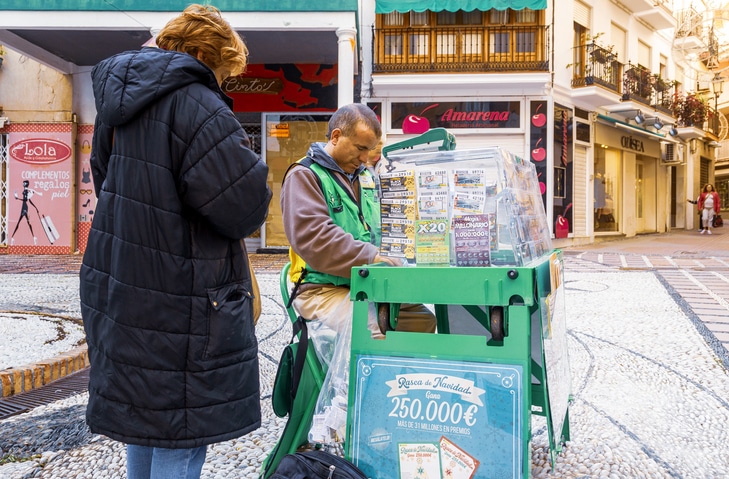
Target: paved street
pixel 648 330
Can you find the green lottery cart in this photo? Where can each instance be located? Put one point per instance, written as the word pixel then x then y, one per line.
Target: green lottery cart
pixel 470 230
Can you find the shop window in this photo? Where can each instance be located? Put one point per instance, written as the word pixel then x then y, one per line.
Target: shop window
pixel 607 190
pixel 3 189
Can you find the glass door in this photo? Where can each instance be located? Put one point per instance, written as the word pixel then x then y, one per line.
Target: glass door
pixel 607 190
pixel 286 137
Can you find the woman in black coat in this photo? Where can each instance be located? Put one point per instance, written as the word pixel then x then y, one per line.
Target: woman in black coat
pixel 165 287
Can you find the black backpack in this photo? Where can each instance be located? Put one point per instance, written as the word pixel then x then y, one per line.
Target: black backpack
pixel 316 465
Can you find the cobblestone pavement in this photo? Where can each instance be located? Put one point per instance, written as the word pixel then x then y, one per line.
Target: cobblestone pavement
pixel 650 396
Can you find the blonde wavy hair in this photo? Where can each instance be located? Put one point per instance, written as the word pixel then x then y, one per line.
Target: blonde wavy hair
pixel 202 29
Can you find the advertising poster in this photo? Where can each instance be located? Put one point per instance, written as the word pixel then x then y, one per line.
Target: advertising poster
pixel 415 418
pixel 556 358
pixel 40 189
pixel 538 144
pixel 284 87
pixel 85 196
pixel 563 171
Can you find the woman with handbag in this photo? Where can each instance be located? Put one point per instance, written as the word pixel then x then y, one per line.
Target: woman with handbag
pixel 708 206
pixel 165 283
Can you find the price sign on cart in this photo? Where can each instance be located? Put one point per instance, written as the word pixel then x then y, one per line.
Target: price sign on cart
pixel 422 418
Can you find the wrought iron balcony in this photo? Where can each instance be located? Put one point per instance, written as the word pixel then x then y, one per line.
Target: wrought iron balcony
pixel 472 49
pixel 596 65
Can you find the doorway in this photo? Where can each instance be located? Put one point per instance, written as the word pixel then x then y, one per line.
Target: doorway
pixel 645 195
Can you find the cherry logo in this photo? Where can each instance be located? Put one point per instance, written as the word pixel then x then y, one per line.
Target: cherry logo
pixel 415 124
pixel 538 153
pixel 539 119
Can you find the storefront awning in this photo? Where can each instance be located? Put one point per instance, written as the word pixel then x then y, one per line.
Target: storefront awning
pixel 629 127
pixel 387 6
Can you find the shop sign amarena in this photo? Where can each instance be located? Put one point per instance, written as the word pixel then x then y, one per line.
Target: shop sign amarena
pixel 416 118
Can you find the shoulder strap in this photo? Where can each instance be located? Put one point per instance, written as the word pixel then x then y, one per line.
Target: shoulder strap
pixel 299 326
pixel 306 161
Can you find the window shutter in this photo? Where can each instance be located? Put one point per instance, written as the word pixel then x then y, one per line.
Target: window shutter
pixel 583 14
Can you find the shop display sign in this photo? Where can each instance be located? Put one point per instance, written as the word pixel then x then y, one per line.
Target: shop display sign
pixel 416 118
pixel 418 418
pixel 40 189
pixel 556 358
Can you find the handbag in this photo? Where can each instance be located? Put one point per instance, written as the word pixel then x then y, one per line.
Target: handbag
pixel 255 290
pixel 316 465
pixel 718 222
pixel 290 368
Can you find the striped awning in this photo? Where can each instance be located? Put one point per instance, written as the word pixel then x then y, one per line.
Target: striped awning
pixel 387 6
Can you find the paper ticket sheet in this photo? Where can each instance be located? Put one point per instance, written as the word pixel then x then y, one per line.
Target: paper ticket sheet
pixel 432 241
pixel 419 461
pixel 456 463
pixel 398 184
pixel 472 237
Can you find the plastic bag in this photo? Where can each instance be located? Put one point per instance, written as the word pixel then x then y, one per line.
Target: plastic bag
pixel 329 424
pixel 330 416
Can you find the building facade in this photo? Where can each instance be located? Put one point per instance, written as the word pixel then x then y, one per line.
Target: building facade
pixel 611 100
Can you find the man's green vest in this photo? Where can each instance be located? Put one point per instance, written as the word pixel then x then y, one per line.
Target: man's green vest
pixel 345 213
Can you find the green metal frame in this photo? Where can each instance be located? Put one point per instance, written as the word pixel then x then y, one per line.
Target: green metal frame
pixel 516 289
pixel 297 427
pixel 435 138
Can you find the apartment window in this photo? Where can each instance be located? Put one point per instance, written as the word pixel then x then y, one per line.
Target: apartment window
pixel 393 19
pixel 418 19
pixel 393 45
pixel 455 37
pixel 446 18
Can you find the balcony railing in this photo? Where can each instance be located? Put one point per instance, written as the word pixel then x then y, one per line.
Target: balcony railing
pixel 599 66
pixel 501 48
pixel 637 84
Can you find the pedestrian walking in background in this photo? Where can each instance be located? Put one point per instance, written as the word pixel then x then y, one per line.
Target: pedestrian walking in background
pixel 709 205
pixel 165 285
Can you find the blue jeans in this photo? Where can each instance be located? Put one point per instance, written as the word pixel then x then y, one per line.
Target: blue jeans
pixel 157 463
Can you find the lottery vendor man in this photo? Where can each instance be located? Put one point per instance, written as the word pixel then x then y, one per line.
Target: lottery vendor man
pixel 327 204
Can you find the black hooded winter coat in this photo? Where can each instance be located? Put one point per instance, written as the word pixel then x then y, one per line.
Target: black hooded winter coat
pixel 165 287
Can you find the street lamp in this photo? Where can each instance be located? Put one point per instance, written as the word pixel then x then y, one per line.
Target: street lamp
pixel 717 87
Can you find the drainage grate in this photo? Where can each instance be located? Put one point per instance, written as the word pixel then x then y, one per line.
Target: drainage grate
pixel 60 389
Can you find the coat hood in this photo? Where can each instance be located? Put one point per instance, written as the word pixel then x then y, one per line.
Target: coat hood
pixel 319 155
pixel 129 82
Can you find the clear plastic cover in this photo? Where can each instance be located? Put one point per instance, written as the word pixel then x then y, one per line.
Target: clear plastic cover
pixel 479 207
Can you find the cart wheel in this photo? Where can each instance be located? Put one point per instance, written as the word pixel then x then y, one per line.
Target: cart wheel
pixel 383 317
pixel 497 323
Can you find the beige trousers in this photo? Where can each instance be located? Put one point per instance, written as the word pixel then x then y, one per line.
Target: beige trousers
pixel 331 305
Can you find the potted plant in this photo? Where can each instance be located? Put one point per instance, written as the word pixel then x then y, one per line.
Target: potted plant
pixel 600 53
pixel 690 109
pixel 661 84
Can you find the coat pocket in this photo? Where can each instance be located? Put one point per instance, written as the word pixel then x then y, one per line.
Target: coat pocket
pixel 230 319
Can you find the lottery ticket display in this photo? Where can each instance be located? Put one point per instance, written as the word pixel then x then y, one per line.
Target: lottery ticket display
pixel 477 207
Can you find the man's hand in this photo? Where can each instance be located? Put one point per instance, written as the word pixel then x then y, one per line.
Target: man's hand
pixel 386 259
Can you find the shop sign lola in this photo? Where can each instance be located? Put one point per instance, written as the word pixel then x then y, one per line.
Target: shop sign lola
pixel 630 143
pixel 40 151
